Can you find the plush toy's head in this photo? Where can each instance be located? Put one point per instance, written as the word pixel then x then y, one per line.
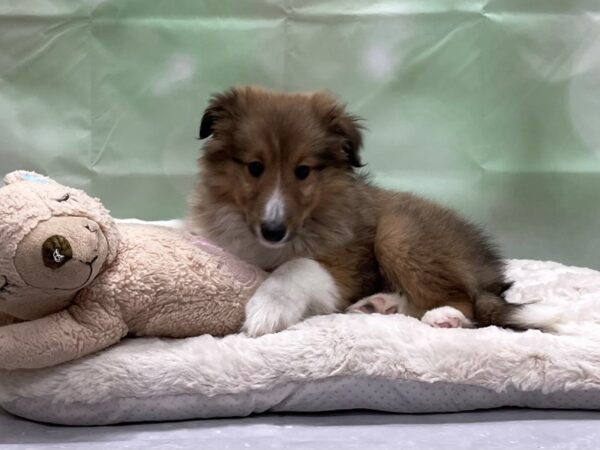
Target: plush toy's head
pixel 54 241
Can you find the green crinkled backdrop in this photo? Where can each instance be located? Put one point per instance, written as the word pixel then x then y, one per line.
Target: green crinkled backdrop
pixel 492 107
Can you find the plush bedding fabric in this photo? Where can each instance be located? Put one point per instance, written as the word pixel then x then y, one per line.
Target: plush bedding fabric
pixel 387 363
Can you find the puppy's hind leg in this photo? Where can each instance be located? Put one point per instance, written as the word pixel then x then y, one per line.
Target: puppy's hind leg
pixel 384 303
pixel 431 277
pixel 442 317
pixel 379 304
pixel 446 317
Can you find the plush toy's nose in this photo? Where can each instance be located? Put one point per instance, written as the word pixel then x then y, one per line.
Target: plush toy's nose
pixel 56 251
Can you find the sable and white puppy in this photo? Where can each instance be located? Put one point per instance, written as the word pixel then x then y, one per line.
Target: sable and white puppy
pixel 280 186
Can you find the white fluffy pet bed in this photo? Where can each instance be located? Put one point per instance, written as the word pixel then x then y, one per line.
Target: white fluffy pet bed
pixel 388 363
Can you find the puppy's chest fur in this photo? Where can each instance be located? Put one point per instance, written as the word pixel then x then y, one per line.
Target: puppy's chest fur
pixel 340 236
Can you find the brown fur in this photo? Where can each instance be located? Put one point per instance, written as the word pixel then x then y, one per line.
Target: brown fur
pixel 368 238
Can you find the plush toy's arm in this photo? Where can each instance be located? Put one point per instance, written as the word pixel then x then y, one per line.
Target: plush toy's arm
pixel 84 328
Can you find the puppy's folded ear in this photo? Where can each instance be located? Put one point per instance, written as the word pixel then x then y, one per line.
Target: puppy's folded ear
pixel 207 124
pixel 221 107
pixel 348 127
pixel 345 128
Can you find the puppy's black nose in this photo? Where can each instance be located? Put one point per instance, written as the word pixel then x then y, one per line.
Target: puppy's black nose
pixel 273 231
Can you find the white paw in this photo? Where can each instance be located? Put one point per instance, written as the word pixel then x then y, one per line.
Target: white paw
pixel 270 311
pixel 446 317
pixel 380 304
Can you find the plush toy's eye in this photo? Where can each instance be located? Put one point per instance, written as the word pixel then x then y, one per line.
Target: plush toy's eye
pixel 56 252
pixel 64 198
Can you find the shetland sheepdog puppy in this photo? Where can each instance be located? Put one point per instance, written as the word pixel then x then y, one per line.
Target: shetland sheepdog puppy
pixel 282 186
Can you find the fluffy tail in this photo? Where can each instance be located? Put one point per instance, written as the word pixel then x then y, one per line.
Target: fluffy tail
pixel 491 309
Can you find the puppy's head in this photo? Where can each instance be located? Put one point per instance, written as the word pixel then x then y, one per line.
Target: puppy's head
pixel 277 157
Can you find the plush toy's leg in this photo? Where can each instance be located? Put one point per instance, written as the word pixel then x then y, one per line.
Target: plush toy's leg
pixel 60 337
pixel 295 290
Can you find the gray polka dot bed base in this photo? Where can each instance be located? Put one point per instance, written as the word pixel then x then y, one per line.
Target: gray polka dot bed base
pixel 335 394
pixel 337 362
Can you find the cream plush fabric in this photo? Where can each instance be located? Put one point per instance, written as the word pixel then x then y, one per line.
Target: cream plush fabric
pixel 391 363
pixel 75 282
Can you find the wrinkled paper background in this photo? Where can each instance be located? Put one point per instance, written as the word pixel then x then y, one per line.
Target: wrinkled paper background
pixel 492 107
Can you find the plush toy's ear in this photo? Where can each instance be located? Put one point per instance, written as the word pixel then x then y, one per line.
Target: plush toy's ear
pixel 341 125
pixel 24 175
pixel 221 106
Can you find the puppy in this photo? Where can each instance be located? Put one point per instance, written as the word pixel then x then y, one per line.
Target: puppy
pixel 281 186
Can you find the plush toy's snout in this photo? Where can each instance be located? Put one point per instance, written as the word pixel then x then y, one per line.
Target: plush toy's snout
pixel 64 253
pixel 57 250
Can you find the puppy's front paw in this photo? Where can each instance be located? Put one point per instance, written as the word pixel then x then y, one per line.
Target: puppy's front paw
pixel 380 304
pixel 446 317
pixel 267 312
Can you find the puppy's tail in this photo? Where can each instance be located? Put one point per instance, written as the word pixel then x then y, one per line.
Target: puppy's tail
pixel 492 309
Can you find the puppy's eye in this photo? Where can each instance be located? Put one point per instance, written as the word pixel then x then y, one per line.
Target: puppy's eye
pixel 64 198
pixel 256 168
pixel 302 172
